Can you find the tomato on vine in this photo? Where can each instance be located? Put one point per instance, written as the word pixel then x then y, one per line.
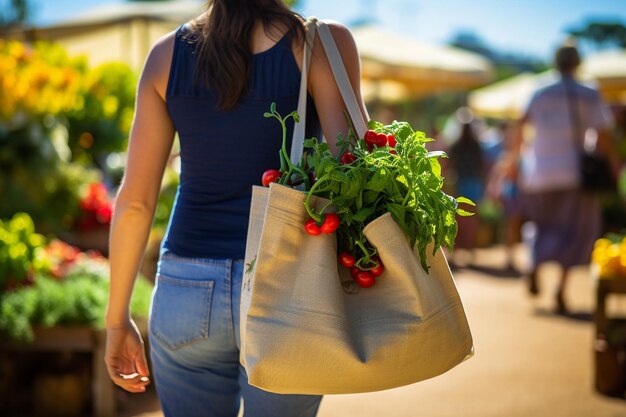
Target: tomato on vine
pixel 331 223
pixel 312 228
pixel 346 259
pixel 371 137
pixel 381 140
pixel 378 270
pixel 347 158
pixel 270 176
pixel 365 279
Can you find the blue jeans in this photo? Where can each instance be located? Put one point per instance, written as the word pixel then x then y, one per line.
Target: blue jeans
pixel 194 344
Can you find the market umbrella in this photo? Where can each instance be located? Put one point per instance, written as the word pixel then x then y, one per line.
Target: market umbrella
pixel 395 67
pixel 506 99
pixel 608 68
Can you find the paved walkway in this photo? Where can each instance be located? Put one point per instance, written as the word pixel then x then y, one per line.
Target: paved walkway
pixel 528 362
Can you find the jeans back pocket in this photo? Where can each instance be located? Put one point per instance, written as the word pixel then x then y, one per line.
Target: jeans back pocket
pixel 181 310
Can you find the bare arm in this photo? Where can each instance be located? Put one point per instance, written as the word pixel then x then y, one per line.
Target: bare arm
pixel 323 87
pixel 150 143
pixel 515 150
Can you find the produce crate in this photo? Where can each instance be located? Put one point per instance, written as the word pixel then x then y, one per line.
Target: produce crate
pixel 610 340
pixel 75 339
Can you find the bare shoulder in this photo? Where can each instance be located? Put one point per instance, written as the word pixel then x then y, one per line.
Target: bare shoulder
pixel 342 35
pixel 157 66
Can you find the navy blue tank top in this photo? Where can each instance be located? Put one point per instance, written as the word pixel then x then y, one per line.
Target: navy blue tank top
pixel 225 152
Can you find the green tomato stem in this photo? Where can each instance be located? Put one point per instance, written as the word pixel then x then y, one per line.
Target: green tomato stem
pixel 307 200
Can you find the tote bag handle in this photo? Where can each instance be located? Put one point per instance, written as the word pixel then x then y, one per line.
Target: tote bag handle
pixel 341 77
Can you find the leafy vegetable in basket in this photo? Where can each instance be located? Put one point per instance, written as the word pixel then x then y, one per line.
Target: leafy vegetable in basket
pixel 389 170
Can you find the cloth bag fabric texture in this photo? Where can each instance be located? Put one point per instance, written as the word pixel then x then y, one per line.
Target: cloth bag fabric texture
pixel 308 328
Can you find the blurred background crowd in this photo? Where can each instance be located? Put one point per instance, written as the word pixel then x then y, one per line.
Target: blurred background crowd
pixel 68 74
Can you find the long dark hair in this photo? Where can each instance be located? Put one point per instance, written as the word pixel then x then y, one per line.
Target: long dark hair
pixel 223 37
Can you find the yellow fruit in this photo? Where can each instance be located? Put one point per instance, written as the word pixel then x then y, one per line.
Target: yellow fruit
pixel 602 243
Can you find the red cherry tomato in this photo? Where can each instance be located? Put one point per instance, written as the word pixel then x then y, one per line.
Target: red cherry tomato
pixel 354 271
pixel 381 140
pixel 365 279
pixel 270 176
pixel 312 228
pixel 391 140
pixel 347 158
pixel 331 223
pixel 378 270
pixel 346 259
pixel 371 137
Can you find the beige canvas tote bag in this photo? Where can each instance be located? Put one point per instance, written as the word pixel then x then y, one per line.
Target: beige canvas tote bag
pixel 307 328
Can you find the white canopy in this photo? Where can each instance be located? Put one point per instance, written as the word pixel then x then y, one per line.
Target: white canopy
pixel 506 99
pixel 397 67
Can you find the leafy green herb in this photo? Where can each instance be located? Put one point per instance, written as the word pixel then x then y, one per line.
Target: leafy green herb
pixel 79 299
pixel 404 180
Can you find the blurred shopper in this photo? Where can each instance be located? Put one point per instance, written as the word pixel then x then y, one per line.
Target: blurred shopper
pixel 502 188
pixel 567 220
pixel 467 166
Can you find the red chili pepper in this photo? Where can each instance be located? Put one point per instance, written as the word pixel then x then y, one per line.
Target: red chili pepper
pixel 346 259
pixel 365 279
pixel 331 223
pixel 347 158
pixel 312 228
pixel 270 176
pixel 391 140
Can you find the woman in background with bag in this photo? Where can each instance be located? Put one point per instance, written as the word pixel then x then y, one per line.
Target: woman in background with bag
pixel 210 81
pixel 567 217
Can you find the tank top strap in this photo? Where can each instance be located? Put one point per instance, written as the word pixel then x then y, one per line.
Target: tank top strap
pixel 183 63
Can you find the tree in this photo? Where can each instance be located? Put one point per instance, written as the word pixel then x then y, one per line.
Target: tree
pixel 601 35
pixel 16 12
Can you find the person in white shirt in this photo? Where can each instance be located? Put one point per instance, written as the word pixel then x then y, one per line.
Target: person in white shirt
pixel 567 219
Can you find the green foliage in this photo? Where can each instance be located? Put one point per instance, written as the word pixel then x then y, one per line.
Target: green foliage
pixel 79 299
pixel 49 191
pixel 20 251
pixel 58 121
pixel 100 125
pixel 167 195
pixel 405 181
pixel 602 34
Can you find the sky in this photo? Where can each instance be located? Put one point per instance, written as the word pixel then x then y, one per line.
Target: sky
pixel 529 27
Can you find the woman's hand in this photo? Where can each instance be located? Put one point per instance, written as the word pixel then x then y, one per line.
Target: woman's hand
pixel 125 357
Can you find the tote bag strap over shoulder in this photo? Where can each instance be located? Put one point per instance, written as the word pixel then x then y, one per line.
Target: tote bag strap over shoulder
pixel 297 143
pixel 341 77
